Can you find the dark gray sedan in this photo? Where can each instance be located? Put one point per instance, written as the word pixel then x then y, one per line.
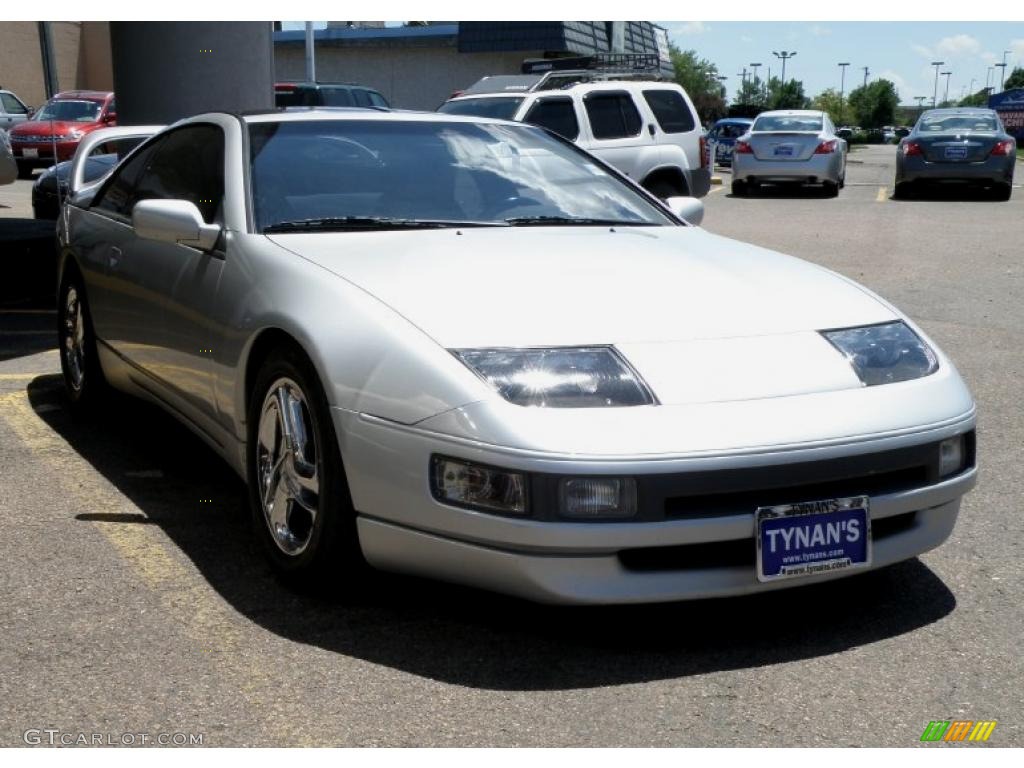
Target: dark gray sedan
pixel 966 146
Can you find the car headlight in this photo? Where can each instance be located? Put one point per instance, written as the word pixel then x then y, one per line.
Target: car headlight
pixel 884 354
pixel 564 377
pixel 75 134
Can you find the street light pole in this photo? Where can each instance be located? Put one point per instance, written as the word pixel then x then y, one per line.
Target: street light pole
pixel 946 99
pixel 935 94
pixel 920 105
pixel 784 55
pixel 1002 77
pixel 866 73
pixel 842 85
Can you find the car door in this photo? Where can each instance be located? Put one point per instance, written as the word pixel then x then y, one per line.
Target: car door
pixel 615 129
pixel 189 165
pixel 12 111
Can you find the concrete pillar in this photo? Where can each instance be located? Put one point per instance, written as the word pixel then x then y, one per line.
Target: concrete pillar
pixel 167 70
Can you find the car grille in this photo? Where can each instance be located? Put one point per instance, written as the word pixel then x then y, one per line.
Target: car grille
pixel 735 553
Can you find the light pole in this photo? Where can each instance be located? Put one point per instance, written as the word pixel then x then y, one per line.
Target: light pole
pixel 988 77
pixel 784 55
pixel 920 105
pixel 946 99
pixel 1002 77
pixel 935 95
pixel 866 73
pixel 842 85
pixel 754 65
pixel 722 79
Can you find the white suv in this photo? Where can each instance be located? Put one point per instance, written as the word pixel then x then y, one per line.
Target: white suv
pixel 647 129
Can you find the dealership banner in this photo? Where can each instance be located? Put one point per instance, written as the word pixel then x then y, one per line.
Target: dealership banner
pixel 1010 106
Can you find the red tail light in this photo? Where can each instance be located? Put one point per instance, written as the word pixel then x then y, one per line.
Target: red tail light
pixel 703 152
pixel 1003 148
pixel 742 148
pixel 826 147
pixel 912 148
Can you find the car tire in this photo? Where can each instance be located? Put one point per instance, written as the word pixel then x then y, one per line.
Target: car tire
pixel 84 382
pixel 1002 192
pixel 901 191
pixel 663 190
pixel 831 189
pixel 25 171
pixel 739 188
pixel 301 508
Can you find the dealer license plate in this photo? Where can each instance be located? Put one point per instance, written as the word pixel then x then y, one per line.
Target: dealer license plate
pixel 956 153
pixel 784 150
pixel 30 153
pixel 814 537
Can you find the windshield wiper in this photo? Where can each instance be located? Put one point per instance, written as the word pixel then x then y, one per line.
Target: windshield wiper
pixel 356 223
pixel 572 221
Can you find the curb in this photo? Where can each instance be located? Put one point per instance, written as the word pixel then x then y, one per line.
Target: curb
pixel 716 180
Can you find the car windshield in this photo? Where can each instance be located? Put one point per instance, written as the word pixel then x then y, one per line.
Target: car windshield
pixel 499 107
pixel 70 111
pixel 947 123
pixel 361 174
pixel 787 123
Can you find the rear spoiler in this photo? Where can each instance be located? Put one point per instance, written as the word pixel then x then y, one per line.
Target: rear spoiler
pixel 98 137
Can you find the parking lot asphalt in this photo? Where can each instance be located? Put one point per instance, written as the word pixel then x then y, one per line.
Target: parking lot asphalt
pixel 135 602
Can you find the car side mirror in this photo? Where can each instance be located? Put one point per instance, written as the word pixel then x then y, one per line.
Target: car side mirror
pixel 110 117
pixel 689 208
pixel 174 221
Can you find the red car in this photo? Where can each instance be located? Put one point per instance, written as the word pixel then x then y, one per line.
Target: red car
pixel 60 123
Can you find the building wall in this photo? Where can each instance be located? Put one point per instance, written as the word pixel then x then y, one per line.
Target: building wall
pixel 81 52
pixel 412 77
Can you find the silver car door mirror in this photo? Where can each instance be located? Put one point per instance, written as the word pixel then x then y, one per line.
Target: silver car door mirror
pixel 174 221
pixel 689 208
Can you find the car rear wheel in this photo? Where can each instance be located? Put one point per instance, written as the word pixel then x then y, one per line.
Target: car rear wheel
pixel 831 189
pixel 301 509
pixel 901 191
pixel 79 362
pixel 1002 192
pixel 739 188
pixel 25 171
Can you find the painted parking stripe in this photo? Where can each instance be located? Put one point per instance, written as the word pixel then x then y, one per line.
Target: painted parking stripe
pixel 883 194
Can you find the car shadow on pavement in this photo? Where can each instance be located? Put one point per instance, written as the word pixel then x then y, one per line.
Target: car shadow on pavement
pixel 460 635
pixel 26 328
pixel 950 193
pixel 785 192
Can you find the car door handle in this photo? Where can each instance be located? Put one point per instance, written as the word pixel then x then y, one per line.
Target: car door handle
pixel 114 257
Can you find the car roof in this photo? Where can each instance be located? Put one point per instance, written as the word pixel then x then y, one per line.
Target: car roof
pixel 359 113
pixel 793 112
pixel 742 120
pixel 318 84
pixel 961 111
pixel 87 95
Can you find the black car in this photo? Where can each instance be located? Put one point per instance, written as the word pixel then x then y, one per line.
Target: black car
pixel 327 95
pixel 45 200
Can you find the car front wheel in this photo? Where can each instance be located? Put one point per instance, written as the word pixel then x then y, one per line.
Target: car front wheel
pixel 79 362
pixel 739 188
pixel 299 499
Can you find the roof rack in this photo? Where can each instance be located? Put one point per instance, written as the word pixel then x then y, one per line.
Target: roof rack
pixel 563 73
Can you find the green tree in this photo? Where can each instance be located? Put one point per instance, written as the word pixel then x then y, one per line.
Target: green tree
pixel 874 104
pixel 1015 80
pixel 979 99
pixel 751 92
pixel 788 95
pixel 699 77
pixel 829 101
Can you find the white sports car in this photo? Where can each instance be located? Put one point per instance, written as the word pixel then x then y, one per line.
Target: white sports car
pixel 463 348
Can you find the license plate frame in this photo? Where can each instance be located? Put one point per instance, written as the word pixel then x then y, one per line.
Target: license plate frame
pixel 828 519
pixel 958 152
pixel 30 152
pixel 784 150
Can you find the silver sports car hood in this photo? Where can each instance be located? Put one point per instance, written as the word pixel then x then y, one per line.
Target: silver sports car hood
pixel 701 317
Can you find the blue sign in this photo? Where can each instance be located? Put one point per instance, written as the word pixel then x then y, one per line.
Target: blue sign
pixel 1010 106
pixel 811 538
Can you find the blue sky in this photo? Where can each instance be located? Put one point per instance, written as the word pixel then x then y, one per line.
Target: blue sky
pixel 897 51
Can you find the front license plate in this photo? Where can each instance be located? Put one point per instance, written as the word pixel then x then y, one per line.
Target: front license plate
pixel 30 153
pixel 956 153
pixel 814 537
pixel 784 150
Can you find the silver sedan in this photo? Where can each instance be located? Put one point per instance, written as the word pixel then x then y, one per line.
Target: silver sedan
pixel 463 348
pixel 790 146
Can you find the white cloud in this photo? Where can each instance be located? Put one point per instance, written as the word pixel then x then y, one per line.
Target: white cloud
pixel 897 80
pixel 922 50
pixel 746 39
pixel 989 58
pixel 958 45
pixel 1017 47
pixel 819 31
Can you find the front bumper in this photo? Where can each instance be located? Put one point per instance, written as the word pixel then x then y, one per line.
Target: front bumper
pixel 815 170
pixel 44 151
pixel 993 170
pixel 705 552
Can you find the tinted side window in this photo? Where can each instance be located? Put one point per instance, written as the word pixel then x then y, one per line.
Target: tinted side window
pixel 377 100
pixel 289 98
pixel 335 97
pixel 362 99
pixel 116 196
pixel 11 105
pixel 187 165
pixel 557 115
pixel 670 110
pixel 612 115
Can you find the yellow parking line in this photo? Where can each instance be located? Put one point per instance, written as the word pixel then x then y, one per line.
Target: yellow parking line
pixel 18 376
pixel 184 596
pixel 883 195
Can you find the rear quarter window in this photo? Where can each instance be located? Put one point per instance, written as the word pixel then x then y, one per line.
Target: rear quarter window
pixel 558 115
pixel 670 110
